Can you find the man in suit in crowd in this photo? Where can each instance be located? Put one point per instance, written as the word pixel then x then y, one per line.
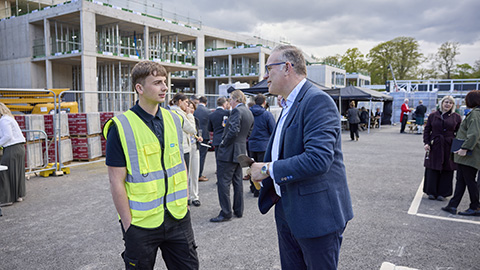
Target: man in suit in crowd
pixel 229 171
pixel 303 173
pixel 217 121
pixel 202 113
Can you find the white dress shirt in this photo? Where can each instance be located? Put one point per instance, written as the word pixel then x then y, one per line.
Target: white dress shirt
pixel 10 132
pixel 276 140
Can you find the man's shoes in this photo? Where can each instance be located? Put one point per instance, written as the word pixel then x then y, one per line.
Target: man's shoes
pixel 196 203
pixel 202 179
pixel 256 193
pixel 469 212
pixel 239 215
pixel 246 177
pixel 220 218
pixel 440 198
pixel 431 197
pixel 20 199
pixel 189 202
pixel 451 210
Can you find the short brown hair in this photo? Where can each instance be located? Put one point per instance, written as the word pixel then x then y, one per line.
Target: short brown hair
pixel 472 99
pixel 260 99
pixel 293 55
pixel 145 68
pixel 221 101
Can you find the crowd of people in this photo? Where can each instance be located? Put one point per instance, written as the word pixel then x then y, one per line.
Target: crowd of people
pixel 155 158
pixel 444 128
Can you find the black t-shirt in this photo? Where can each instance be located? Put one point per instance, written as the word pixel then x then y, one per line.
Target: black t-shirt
pixel 115 156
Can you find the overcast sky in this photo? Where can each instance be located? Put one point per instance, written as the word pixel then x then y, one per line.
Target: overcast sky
pixel 329 27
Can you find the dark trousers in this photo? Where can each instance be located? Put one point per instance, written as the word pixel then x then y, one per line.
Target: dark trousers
pixel 203 155
pixel 465 179
pixel 354 131
pixel 12 181
pixel 404 123
pixel 174 238
pixel 230 173
pixel 306 253
pixel 438 183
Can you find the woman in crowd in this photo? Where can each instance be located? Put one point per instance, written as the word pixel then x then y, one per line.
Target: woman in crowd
pixel 440 130
pixel 12 182
pixel 195 140
pixel 468 158
pixel 179 105
pixel 353 116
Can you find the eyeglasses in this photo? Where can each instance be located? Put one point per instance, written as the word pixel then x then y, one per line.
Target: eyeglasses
pixel 268 67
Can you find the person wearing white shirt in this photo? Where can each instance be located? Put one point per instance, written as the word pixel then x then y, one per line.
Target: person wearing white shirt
pixel 12 181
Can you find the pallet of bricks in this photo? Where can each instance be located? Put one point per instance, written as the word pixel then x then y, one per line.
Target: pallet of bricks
pixel 34 140
pixel 104 117
pixel 64 145
pixel 85 133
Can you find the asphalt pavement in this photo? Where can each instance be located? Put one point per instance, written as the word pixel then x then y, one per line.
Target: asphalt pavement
pixel 69 222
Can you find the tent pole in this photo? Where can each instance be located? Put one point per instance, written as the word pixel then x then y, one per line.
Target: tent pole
pixel 369 113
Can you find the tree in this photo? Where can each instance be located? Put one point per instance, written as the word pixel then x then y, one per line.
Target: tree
pixel 463 71
pixel 353 60
pixel 445 57
pixel 333 59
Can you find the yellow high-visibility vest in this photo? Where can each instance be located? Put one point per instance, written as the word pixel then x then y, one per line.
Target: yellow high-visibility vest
pixel 152 186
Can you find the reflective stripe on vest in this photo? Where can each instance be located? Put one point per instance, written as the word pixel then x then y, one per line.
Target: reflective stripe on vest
pixel 144 183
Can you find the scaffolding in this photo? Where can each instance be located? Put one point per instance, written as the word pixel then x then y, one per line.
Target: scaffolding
pixel 111 40
pixel 114 80
pixel 245 66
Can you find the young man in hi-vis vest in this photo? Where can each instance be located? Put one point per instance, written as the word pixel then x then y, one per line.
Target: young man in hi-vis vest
pixel 148 177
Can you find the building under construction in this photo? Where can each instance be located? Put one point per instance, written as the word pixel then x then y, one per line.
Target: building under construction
pixel 91 46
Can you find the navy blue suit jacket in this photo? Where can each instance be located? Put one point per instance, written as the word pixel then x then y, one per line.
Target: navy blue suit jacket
pixel 202 113
pixel 310 169
pixel 215 120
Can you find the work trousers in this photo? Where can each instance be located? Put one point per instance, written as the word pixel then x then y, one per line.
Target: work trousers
pixel 174 238
pixel 466 179
pixel 306 253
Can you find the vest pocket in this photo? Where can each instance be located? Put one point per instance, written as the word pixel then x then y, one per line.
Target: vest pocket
pixel 152 155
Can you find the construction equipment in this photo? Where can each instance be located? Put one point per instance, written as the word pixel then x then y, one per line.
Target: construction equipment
pixel 37 101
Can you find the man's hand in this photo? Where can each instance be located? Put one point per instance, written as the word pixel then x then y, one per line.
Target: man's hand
pixel 256 172
pixel 461 152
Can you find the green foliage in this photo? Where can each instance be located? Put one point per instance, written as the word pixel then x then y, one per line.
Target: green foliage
pixel 402 53
pixel 445 57
pixel 353 60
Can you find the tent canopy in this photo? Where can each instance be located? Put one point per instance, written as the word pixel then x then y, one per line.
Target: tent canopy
pixel 357 93
pixel 262 88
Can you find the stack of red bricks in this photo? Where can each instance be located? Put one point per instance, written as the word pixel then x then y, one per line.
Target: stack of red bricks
pixel 104 117
pixel 33 147
pixel 64 148
pixel 85 135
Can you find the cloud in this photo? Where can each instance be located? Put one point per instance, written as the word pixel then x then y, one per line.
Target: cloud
pixel 332 26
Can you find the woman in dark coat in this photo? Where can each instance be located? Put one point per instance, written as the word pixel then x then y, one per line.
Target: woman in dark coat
pixel 440 130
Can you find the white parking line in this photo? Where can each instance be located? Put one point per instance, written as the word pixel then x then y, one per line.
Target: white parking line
pixel 413 210
pixel 391 266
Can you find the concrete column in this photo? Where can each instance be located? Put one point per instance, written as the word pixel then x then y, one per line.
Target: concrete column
pixel 261 65
pixel 48 63
pixel 146 41
pixel 230 62
pixel 200 61
pixel 89 60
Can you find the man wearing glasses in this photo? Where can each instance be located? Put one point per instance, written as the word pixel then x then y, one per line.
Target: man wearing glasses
pixel 303 173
